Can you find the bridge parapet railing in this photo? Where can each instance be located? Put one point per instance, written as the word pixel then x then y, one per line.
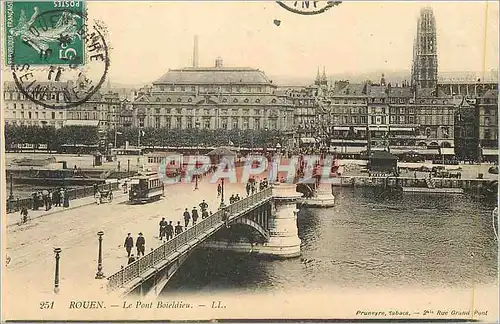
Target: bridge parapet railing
pixel 87 191
pixel 158 255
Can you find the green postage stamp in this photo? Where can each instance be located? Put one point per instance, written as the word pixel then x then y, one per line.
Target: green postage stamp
pixel 44 32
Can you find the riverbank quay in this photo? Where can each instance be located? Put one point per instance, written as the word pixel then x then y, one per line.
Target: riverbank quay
pixel 13 219
pixel 15 205
pixel 31 266
pixel 468 185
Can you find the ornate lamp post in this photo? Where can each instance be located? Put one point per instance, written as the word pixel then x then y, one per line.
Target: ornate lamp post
pixel 11 192
pixel 56 276
pixel 99 274
pixel 222 205
pixel 197 153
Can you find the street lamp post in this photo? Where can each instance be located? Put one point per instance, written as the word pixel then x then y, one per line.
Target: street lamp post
pixel 99 274
pixel 197 154
pixel 56 276
pixel 222 205
pixel 11 193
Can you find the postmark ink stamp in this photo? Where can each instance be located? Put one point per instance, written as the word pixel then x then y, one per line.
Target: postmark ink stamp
pixel 77 77
pixel 44 32
pixel 308 7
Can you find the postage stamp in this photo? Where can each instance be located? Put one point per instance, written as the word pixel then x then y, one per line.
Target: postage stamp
pixel 308 7
pixel 44 32
pixel 77 76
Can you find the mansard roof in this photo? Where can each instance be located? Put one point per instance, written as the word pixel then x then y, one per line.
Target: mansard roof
pixel 214 75
pixel 431 93
pixel 490 94
pixel 349 89
pixel 400 92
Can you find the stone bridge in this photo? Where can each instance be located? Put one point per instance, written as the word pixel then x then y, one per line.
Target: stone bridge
pixel 272 213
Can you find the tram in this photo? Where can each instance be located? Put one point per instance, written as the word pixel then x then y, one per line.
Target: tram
pixel 145 188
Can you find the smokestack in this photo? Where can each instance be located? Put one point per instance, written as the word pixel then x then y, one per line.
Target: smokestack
pixel 195 51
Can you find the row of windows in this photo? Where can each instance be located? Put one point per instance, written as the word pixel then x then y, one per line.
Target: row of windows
pixel 211 112
pixel 34 123
pixel 235 100
pixel 246 123
pixel 37 115
pixel 215 89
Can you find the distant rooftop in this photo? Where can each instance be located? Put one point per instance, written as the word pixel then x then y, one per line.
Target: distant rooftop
pixel 214 75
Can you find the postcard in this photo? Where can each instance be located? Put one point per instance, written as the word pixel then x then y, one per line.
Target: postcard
pixel 249 161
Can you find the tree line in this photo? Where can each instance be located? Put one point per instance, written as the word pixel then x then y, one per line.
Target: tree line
pixel 159 137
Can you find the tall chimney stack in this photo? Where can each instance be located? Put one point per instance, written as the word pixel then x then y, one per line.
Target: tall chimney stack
pixel 195 51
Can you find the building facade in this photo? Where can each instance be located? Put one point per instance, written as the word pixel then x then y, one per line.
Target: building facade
pixel 100 110
pixel 213 98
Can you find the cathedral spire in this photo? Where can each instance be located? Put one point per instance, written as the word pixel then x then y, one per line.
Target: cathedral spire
pixel 425 64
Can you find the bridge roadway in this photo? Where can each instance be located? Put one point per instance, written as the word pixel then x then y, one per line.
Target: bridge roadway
pixel 30 247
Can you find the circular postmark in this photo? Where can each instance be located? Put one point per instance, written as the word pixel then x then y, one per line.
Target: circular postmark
pixel 70 77
pixel 308 7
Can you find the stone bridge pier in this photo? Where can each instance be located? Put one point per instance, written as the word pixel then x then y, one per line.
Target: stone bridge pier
pixel 284 238
pixel 275 221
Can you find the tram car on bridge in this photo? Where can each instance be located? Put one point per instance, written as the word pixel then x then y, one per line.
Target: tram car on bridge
pixel 145 188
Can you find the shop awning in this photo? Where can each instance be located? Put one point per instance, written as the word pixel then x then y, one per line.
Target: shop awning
pixel 490 151
pixel 428 151
pixel 360 128
pixel 341 128
pixel 308 140
pixel 79 122
pixel 447 151
pixel 348 149
pixel 401 129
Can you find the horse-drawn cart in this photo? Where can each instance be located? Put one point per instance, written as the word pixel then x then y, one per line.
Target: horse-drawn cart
pixel 106 196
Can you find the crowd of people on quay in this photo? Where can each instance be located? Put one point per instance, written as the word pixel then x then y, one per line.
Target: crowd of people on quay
pixel 46 199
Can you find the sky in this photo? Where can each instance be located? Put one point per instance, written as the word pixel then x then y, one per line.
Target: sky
pixel 148 38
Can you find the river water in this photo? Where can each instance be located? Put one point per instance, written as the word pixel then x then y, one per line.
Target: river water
pixel 368 240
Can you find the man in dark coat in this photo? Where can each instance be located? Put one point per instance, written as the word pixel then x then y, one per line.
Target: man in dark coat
pixel 35 201
pixel 178 228
pixel 170 231
pixel 194 214
pixel 131 259
pixel 129 244
pixel 203 205
pixel 163 228
pixel 56 199
pixel 140 244
pixel 204 214
pixel 187 217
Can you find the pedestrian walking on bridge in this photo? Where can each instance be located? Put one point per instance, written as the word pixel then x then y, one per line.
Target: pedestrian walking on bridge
pixel 194 213
pixel 140 244
pixel 131 259
pixel 203 205
pixel 129 244
pixel 187 217
pixel 178 228
pixel 170 231
pixel 219 190
pixel 163 228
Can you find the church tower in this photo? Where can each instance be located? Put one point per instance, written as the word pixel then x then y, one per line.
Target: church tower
pixel 425 63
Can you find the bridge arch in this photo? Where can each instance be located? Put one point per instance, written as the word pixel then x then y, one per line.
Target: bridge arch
pixel 254 225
